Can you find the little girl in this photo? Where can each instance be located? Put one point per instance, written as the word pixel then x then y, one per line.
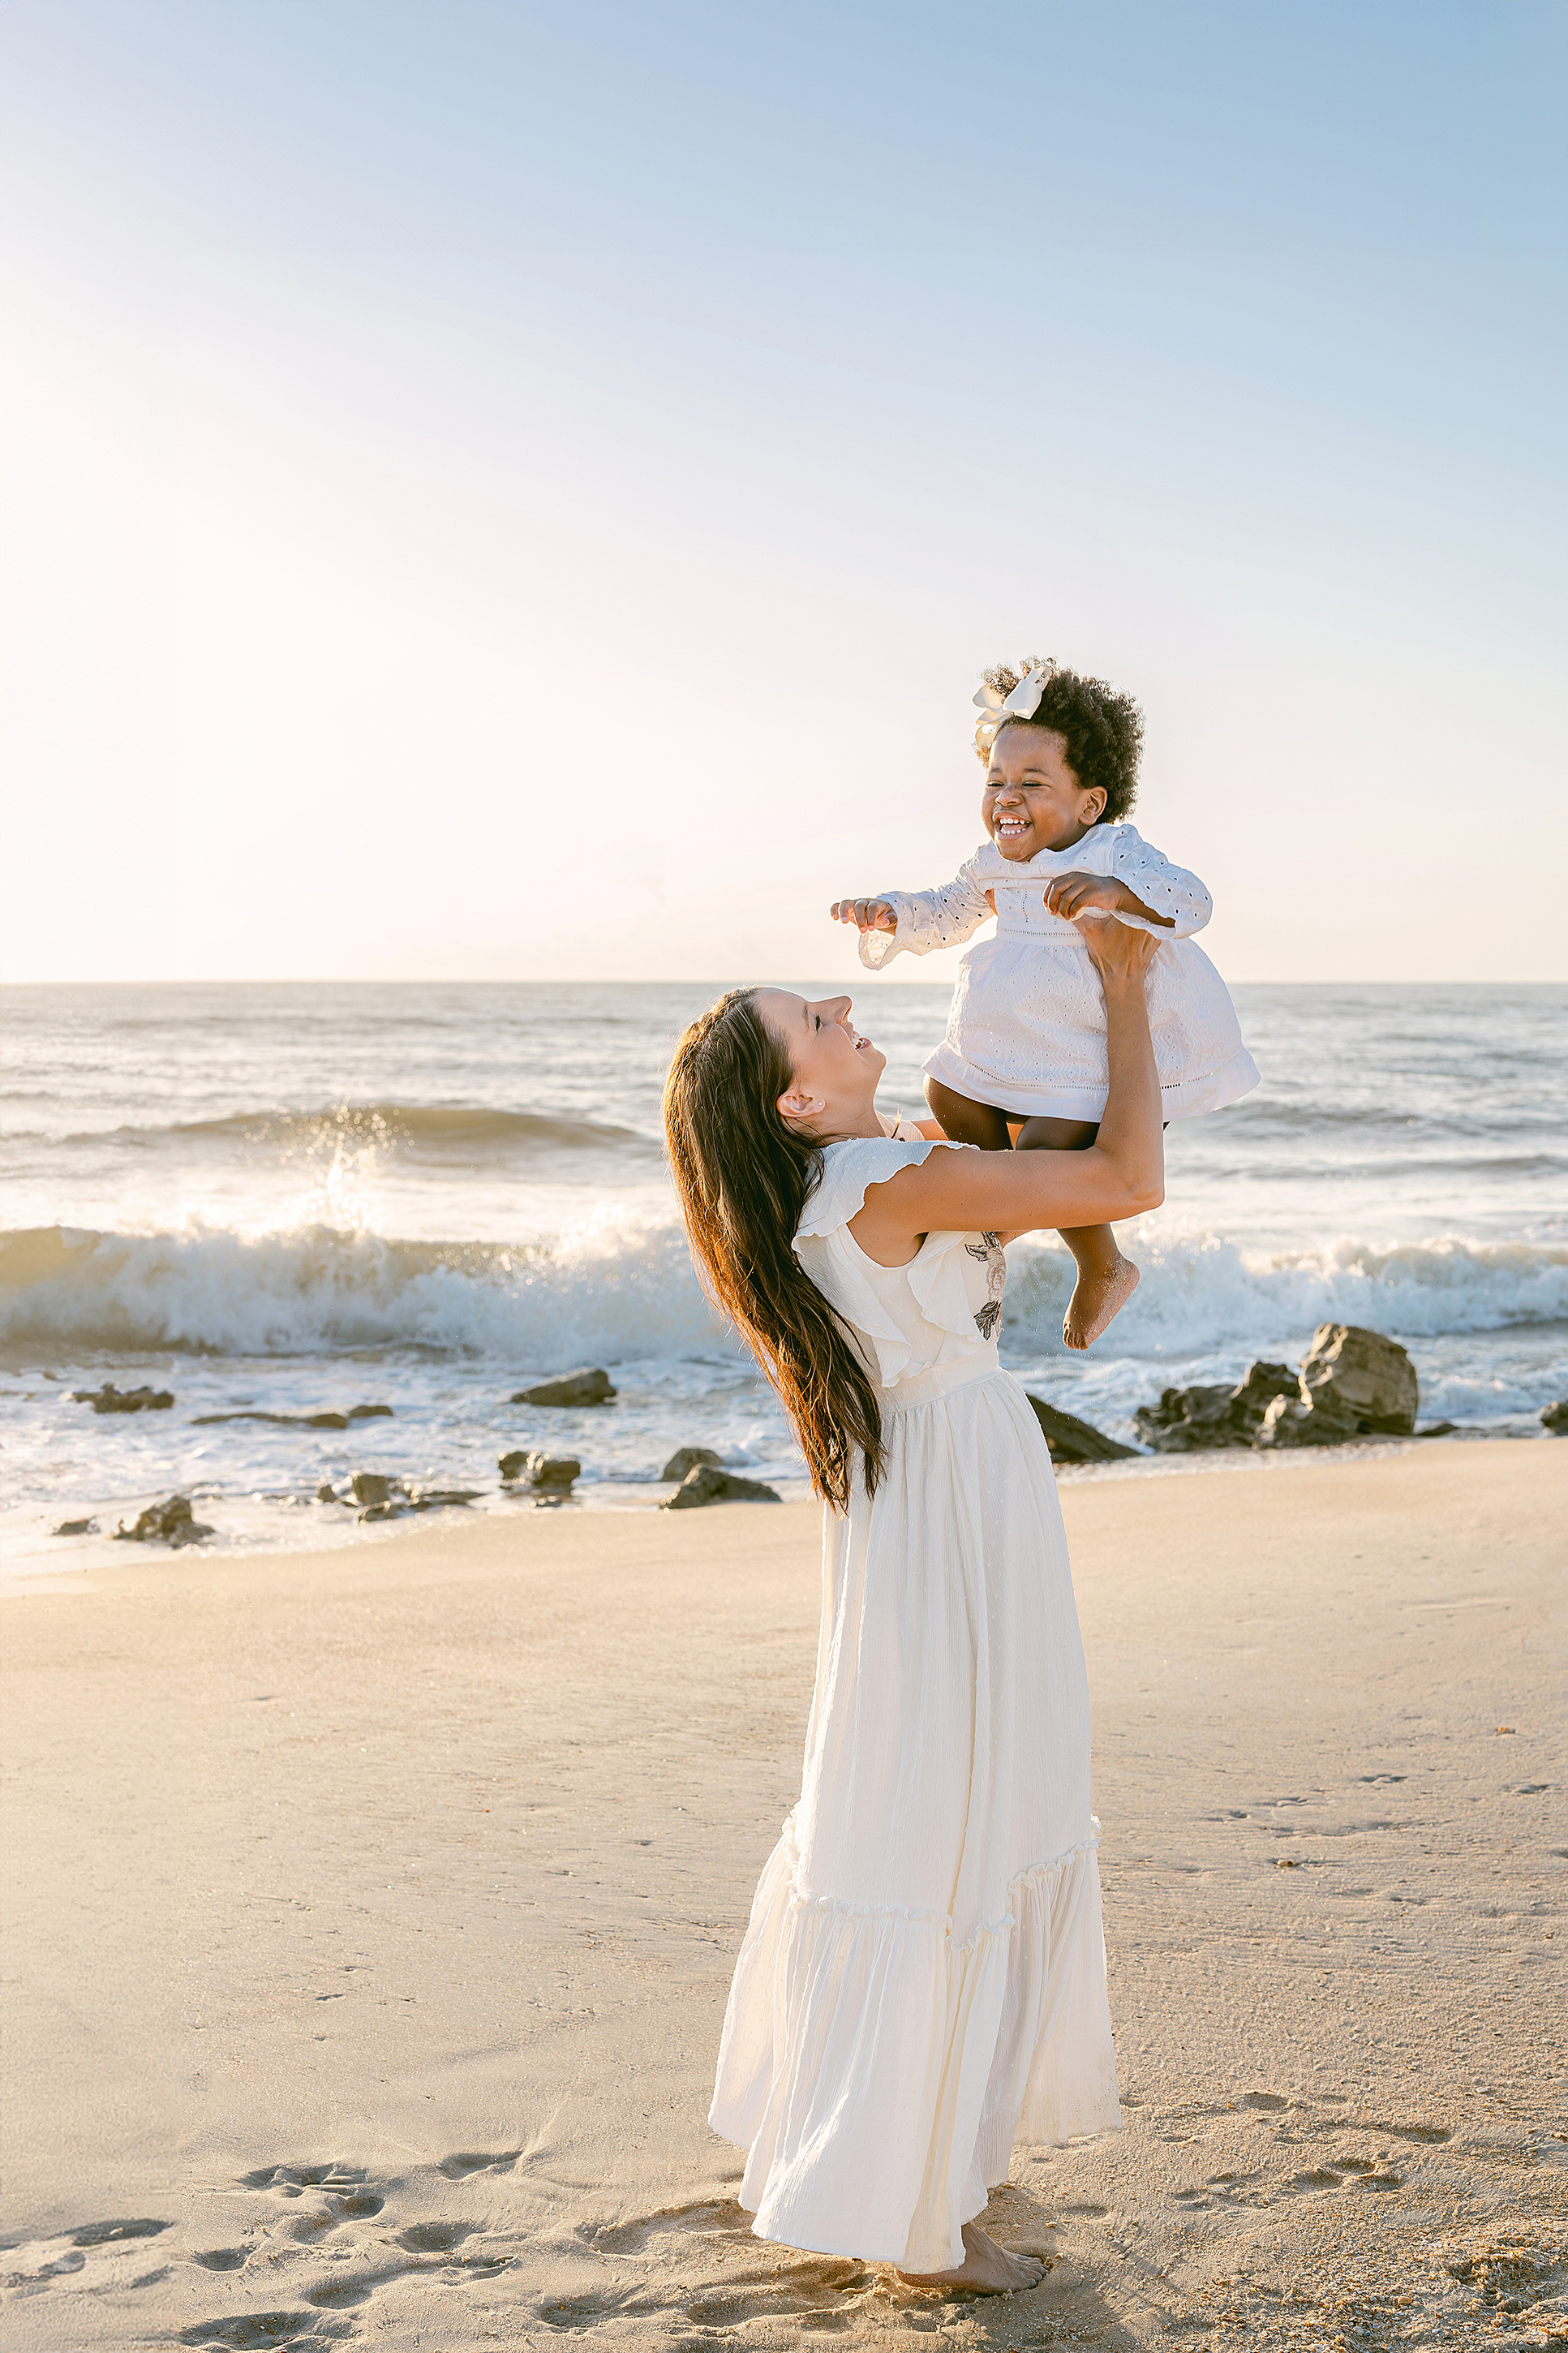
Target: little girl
pixel 1024 1060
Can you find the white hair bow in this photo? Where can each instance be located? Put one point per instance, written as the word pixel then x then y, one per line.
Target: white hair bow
pixel 996 708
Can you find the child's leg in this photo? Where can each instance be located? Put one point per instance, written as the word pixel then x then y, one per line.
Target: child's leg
pixel 1106 1281
pixel 966 1121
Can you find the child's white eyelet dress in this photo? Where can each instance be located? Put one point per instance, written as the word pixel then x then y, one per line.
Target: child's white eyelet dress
pixel 923 1979
pixel 1026 1029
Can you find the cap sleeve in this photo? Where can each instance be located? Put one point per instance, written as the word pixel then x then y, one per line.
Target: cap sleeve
pixel 848 1172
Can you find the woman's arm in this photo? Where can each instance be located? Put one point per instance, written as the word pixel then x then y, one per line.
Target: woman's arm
pixel 1121 1174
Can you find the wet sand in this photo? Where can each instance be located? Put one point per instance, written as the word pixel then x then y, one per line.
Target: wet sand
pixel 371 1916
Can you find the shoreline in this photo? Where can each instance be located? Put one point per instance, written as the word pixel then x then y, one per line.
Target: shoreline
pixel 262 1527
pixel 373 1920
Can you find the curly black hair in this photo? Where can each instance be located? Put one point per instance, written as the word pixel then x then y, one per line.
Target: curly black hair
pixel 1104 731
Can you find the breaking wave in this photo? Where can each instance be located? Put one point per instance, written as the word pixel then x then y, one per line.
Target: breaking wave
pixel 465 1132
pixel 619 1286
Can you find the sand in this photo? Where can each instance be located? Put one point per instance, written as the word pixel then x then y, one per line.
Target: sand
pixel 372 1914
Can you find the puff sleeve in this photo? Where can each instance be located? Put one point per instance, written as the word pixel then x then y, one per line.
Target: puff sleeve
pixel 1169 890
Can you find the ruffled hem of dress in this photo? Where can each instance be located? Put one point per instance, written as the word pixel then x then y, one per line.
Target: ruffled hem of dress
pixel 878 2072
pixel 1189 1099
pixel 1023 1882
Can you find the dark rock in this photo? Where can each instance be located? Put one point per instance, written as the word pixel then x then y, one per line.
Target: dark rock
pixel 76 1528
pixel 173 1523
pixel 688 1457
pixel 401 1500
pixel 109 1400
pixel 284 1421
pixel 587 1386
pixel 326 1493
pixel 370 1487
pixel 368 1412
pixel 1438 1429
pixel 1186 1421
pixel 1354 1384
pixel 1071 1440
pixel 1555 1417
pixel 708 1485
pixel 555 1470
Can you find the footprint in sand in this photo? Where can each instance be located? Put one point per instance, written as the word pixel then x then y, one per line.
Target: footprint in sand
pixel 246 2330
pixel 341 2296
pixel 291 2180
pixel 107 2234
pixel 434 2238
pixel 221 2259
pixel 726 2279
pixel 470 2162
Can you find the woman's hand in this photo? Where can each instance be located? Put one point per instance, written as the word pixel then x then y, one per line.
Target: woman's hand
pixel 865 915
pixel 1117 950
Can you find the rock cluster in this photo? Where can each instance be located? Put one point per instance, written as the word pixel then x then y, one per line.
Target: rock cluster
pixel 1071 1440
pixel 1214 1414
pixel 1555 1417
pixel 689 1458
pixel 554 1472
pixel 707 1483
pixel 76 1528
pixel 380 1497
pixel 587 1386
pixel 1352 1384
pixel 109 1400
pixel 173 1523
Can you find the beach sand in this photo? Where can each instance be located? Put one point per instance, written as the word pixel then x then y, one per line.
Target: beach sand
pixel 371 1914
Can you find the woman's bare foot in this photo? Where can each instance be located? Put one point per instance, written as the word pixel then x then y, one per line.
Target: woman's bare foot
pixel 1098 1293
pixel 986 2269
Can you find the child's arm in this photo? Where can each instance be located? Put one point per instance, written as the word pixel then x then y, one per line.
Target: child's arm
pixel 917 919
pixel 1143 888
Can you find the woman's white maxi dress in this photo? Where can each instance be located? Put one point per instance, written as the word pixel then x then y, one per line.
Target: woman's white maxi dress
pixel 923 1979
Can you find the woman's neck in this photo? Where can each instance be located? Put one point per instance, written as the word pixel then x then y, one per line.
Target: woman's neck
pixel 853 1126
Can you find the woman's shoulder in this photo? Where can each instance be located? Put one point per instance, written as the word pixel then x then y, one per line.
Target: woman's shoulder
pixel 850 1170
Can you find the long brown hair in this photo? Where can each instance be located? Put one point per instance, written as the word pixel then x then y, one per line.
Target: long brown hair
pixel 744 1177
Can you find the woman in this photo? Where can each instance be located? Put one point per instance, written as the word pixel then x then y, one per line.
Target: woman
pixel 923 1976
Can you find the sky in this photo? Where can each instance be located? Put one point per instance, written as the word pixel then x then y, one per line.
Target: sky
pixel 496 491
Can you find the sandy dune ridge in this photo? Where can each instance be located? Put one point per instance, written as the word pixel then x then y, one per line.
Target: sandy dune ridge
pixel 372 1914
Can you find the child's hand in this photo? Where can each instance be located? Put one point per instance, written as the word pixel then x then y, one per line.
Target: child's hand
pixel 1077 894
pixel 865 915
pixel 1118 952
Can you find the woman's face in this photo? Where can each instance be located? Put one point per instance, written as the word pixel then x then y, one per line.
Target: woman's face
pixel 833 1070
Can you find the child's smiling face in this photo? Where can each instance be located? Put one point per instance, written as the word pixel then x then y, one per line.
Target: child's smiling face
pixel 1032 800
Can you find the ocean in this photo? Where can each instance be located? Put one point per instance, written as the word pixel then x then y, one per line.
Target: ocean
pixel 296 1199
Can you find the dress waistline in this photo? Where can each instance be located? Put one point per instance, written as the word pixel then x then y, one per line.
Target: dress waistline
pixel 1039 926
pixel 940 1381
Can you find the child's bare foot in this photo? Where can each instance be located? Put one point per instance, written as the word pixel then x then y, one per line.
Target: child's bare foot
pixel 1100 1292
pixel 986 2269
